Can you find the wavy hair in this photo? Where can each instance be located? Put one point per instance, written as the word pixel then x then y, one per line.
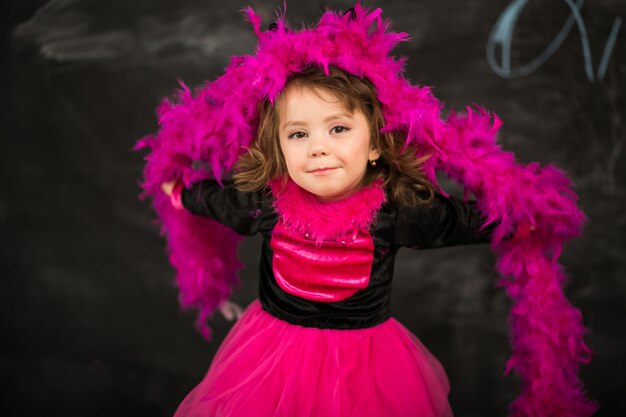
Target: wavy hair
pixel 401 171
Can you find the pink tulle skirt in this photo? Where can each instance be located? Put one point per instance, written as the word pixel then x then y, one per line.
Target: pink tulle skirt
pixel 267 367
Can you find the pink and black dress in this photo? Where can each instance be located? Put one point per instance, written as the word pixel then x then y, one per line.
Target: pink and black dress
pixel 320 341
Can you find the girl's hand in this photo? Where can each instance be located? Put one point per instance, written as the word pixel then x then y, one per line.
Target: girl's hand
pixel 167 187
pixel 230 311
pixel 173 190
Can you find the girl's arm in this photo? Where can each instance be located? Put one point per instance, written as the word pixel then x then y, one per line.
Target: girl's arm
pixel 447 221
pixel 244 213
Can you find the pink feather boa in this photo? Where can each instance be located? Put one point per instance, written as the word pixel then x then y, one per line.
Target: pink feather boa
pixel 203 134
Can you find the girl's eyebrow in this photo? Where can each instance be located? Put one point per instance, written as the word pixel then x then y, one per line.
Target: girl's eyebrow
pixel 330 118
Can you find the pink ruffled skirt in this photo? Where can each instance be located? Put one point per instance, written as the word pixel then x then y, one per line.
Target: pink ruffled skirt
pixel 267 367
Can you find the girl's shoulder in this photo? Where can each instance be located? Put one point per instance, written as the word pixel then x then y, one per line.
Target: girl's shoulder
pixel 443 221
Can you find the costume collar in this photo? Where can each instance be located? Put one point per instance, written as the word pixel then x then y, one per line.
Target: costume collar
pixel 303 213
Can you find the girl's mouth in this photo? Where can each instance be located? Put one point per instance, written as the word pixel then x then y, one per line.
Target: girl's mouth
pixel 321 171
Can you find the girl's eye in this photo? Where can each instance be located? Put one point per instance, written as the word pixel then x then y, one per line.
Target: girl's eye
pixel 339 129
pixel 297 135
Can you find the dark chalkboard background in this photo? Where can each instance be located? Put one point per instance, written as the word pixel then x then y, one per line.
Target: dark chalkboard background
pixel 90 323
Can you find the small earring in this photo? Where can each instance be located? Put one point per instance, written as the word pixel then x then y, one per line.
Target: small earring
pixel 373 162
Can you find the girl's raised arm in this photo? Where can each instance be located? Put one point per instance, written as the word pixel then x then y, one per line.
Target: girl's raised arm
pixel 447 221
pixel 246 213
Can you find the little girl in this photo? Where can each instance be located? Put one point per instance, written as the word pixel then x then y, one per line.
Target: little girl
pixel 332 155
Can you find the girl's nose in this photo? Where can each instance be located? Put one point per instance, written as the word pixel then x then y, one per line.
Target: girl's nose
pixel 318 146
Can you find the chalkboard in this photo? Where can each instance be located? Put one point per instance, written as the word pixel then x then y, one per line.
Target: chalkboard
pixel 90 320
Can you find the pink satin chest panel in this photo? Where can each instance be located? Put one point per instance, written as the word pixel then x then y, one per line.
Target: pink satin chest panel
pixel 326 271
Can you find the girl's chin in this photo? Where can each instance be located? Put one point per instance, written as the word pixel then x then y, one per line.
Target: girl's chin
pixel 328 196
pixel 327 190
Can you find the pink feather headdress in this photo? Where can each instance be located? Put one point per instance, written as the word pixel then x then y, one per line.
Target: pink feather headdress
pixel 202 134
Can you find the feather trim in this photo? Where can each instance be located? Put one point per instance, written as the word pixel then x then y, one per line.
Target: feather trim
pixel 303 213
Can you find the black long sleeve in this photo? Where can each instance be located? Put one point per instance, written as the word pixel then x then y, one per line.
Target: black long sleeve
pixel 245 213
pixel 447 221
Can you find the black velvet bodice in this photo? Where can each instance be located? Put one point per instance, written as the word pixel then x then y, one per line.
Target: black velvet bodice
pixel 445 222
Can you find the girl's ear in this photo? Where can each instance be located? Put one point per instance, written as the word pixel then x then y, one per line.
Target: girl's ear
pixel 373 155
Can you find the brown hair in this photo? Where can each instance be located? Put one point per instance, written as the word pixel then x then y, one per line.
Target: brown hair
pixel 401 170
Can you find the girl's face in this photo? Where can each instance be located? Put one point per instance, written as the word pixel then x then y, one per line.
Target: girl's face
pixel 326 148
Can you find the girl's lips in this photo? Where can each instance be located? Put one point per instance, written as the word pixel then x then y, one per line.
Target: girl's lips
pixel 322 171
